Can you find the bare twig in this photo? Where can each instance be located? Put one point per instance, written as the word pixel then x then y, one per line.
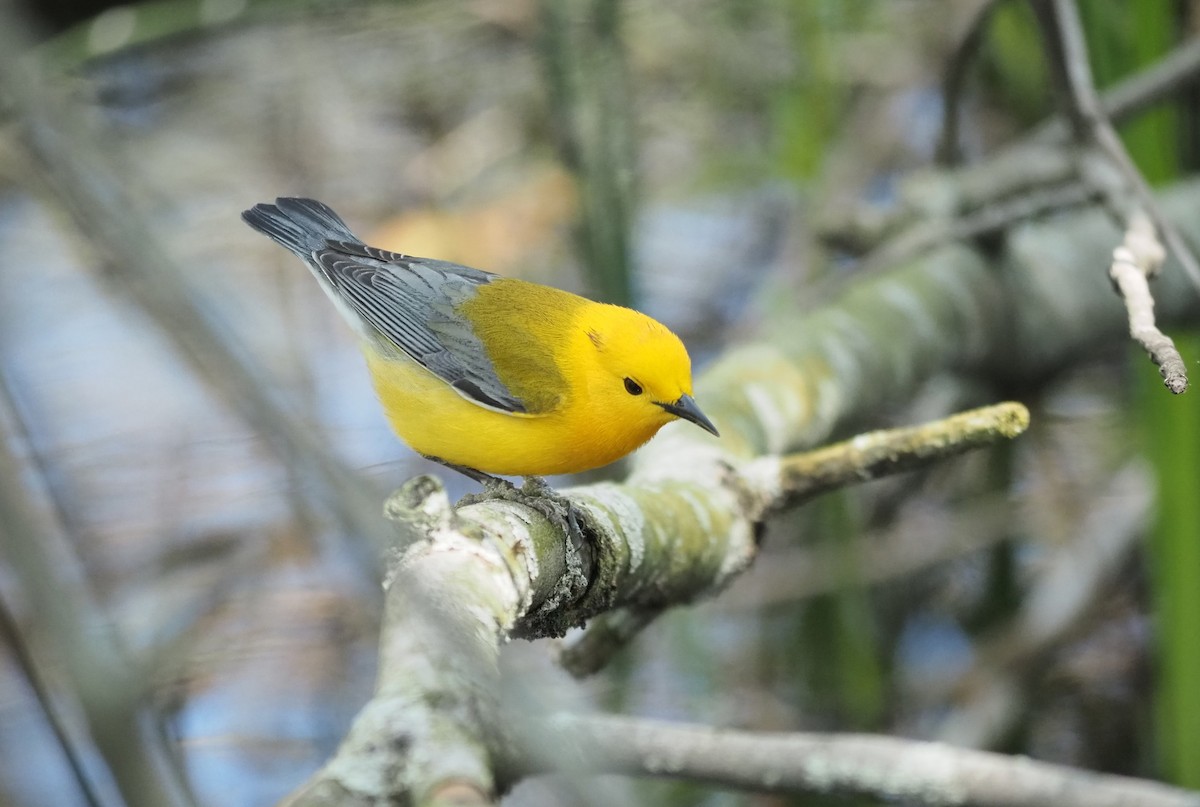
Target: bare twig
pixel 1139 91
pixel 887 768
pixel 1033 197
pixel 1035 165
pixel 1137 260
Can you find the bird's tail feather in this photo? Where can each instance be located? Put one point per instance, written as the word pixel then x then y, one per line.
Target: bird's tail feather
pixel 301 225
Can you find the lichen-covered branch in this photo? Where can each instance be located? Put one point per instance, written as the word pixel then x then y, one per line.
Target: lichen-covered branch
pixel 683 523
pixel 773 484
pixel 495 569
pixel 888 768
pixel 450 600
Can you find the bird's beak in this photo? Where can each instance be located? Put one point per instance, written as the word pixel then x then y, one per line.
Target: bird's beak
pixel 687 409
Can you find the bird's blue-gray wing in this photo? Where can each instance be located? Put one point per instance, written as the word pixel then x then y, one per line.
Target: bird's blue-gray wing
pixel 412 304
pixel 400 302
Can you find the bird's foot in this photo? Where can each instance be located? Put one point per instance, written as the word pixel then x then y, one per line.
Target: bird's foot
pixel 565 511
pixel 574 582
pixel 488 481
pixel 561 511
pixel 535 494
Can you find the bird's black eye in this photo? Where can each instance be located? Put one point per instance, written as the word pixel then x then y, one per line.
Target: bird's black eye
pixel 633 387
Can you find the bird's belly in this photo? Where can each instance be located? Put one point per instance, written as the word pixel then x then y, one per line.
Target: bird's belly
pixel 433 419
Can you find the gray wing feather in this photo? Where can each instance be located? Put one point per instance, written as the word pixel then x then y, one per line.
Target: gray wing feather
pixel 412 303
pixel 407 303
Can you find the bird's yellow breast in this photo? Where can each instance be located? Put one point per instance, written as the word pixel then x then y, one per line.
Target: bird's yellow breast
pixel 580 434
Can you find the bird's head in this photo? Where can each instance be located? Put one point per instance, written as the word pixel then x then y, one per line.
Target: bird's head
pixel 645 375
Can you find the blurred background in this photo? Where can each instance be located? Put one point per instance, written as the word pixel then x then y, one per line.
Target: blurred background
pixel 678 155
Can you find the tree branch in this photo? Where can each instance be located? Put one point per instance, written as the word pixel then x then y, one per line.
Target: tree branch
pixel 887 768
pixel 605 636
pixel 775 484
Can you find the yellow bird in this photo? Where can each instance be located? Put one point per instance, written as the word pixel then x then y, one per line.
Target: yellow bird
pixel 487 374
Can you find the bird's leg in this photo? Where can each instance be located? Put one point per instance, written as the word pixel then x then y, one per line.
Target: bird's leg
pixel 492 485
pixel 536 495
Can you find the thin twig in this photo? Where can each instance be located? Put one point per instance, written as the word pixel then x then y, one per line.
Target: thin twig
pixel 996 216
pixel 1137 92
pixel 1090 122
pixel 887 768
pixel 1034 164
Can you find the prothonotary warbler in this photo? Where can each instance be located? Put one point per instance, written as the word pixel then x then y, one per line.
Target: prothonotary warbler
pixel 487 374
